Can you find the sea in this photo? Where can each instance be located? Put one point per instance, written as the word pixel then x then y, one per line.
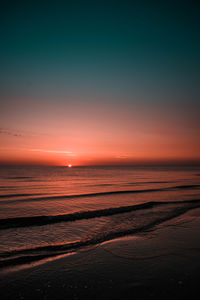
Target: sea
pixel 46 212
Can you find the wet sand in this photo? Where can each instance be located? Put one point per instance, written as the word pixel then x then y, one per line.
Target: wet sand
pixel 161 263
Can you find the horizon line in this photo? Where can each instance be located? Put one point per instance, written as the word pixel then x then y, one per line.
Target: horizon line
pixel 138 164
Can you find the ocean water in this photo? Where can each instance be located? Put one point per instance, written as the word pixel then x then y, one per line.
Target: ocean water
pixel 50 211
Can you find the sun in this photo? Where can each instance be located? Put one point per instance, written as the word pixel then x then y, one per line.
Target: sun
pixel 69 166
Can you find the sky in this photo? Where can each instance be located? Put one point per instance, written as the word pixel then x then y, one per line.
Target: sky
pixel 99 82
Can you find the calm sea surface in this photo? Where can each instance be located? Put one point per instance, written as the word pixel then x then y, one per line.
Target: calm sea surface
pixel 49 211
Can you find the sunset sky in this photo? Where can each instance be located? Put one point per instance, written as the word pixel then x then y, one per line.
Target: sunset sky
pixel 84 83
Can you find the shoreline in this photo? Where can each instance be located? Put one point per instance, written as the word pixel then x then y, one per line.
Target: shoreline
pixel 158 263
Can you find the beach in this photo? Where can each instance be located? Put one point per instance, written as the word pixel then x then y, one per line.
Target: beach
pixel 162 263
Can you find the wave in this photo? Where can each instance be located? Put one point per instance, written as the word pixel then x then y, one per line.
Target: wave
pixel 18 177
pixel 22 256
pixel 52 219
pixel 97 194
pixel 7 187
pixel 145 182
pixel 19 195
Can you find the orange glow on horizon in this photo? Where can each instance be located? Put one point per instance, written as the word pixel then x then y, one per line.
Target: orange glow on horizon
pixel 95 135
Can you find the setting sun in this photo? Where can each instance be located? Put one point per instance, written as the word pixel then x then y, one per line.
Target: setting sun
pixel 69 166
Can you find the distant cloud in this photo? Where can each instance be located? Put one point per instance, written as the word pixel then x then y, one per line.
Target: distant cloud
pixel 125 156
pixel 10 132
pixel 54 151
pixel 19 133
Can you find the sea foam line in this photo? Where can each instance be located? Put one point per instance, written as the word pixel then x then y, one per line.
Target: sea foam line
pixel 52 219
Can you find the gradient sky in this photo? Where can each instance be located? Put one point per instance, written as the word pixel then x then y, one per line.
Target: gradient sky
pixel 88 82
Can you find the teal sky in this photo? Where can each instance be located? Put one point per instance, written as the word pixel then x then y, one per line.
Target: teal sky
pixel 61 45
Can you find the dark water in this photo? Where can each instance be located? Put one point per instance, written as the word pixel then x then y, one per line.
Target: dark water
pixel 55 210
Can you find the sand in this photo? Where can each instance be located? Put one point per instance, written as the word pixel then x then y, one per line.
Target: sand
pixel 160 264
